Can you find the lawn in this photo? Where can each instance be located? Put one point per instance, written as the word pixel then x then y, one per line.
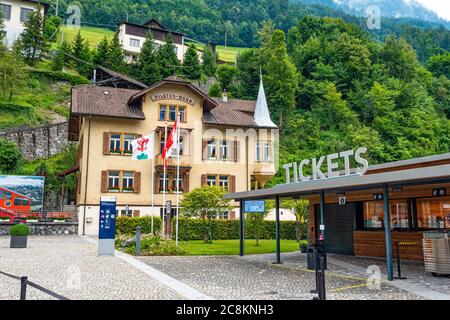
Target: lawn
pixel 231 247
pixel 91 34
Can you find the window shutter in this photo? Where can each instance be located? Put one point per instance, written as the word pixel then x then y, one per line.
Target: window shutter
pixel 231 153
pixel 186 183
pixel 232 184
pixel 137 182
pixel 204 180
pixel 106 136
pixel 232 215
pixel 205 149
pixel 104 182
pixel 136 213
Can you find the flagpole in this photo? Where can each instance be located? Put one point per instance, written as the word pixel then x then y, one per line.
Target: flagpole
pixel 153 181
pixel 178 176
pixel 164 185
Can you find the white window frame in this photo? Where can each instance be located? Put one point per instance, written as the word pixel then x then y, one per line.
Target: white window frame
pixel 212 146
pixel 31 10
pixel 161 178
pixel 127 139
pixel 266 152
pixel 127 181
pixel 224 150
pixel 136 43
pixel 115 142
pixel 224 183
pixel 211 182
pixel 10 11
pixel 116 179
pixel 258 151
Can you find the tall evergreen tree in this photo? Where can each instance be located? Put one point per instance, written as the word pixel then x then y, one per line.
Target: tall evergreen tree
pixel 167 57
pixel 32 39
pixel 209 62
pixel 101 55
pixel 192 68
pixel 149 69
pixel 116 59
pixel 82 55
pixel 12 72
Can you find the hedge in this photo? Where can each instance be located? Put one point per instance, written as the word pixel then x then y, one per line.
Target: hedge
pixel 73 79
pixel 192 229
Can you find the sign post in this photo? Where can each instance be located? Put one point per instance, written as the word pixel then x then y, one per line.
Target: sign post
pixel 107 226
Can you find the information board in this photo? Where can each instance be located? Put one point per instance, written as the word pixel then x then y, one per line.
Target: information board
pixel 255 206
pixel 107 225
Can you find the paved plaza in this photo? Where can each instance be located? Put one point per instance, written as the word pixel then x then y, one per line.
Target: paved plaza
pixel 69 266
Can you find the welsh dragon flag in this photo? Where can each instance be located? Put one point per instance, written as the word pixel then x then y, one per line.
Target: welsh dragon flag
pixel 171 143
pixel 143 148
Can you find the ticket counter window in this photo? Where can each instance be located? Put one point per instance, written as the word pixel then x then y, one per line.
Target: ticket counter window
pixel 433 213
pixel 374 214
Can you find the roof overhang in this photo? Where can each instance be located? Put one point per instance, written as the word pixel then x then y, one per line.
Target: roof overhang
pixel 424 175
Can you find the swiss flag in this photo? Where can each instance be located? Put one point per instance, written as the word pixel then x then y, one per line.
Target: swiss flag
pixel 171 143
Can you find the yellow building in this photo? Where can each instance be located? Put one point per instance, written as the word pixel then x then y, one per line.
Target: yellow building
pixel 225 142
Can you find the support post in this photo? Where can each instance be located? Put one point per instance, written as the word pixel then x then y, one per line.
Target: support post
pixel 388 236
pixel 322 214
pixel 241 229
pixel 23 288
pixel 277 227
pixel 138 240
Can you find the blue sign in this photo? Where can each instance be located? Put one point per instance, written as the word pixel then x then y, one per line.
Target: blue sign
pixel 256 206
pixel 107 225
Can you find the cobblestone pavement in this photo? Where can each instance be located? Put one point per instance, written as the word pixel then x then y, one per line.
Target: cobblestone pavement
pixel 70 267
pixel 255 277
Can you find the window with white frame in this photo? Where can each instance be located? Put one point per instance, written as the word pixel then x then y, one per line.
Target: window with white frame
pixel 113 181
pixel 127 147
pixel 180 183
pixel 211 180
pixel 266 153
pixel 24 13
pixel 161 182
pixel 223 215
pixel 258 151
pixel 212 149
pixel 5 9
pixel 115 143
pixel 223 182
pixel 135 42
pixel 127 181
pixel 224 150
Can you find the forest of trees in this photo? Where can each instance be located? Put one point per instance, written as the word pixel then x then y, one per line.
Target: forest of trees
pixel 214 20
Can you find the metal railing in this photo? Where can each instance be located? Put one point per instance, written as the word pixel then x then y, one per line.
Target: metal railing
pixel 24 282
pixel 185 161
pixel 39 216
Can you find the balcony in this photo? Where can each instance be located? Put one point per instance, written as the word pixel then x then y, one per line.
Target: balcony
pixel 185 161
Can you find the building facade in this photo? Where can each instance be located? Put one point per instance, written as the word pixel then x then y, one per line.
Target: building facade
pixel 225 142
pixel 132 37
pixel 15 14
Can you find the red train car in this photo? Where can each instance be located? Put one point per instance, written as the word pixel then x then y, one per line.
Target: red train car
pixel 13 203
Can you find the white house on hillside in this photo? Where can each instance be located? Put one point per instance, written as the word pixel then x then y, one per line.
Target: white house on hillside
pixel 15 14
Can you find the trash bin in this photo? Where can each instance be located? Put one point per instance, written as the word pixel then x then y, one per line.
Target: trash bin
pixel 436 252
pixel 311 256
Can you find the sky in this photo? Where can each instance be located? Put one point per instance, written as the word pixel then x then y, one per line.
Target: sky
pixel 441 7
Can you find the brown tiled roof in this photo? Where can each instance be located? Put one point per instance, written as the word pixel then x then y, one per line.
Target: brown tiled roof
pixel 113 76
pixel 104 101
pixel 235 112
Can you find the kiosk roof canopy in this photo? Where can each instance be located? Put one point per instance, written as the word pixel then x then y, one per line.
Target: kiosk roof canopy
pixel 420 170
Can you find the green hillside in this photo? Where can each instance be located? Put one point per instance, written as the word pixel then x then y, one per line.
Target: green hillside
pixel 94 35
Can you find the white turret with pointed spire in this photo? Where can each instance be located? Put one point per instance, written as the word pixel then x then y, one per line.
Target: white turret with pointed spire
pixel 262 115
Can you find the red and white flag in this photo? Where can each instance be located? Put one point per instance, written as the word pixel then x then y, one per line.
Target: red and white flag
pixel 171 143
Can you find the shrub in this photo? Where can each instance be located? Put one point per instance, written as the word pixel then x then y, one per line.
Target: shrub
pixel 193 229
pixel 19 230
pixel 73 79
pixel 155 246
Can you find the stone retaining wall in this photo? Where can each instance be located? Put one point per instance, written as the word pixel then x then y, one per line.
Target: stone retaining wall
pixel 41 142
pixel 45 228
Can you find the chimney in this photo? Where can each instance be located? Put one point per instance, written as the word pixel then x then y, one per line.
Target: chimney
pixel 224 95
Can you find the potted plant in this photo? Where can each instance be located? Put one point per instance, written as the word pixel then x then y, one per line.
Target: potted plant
pixel 19 235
